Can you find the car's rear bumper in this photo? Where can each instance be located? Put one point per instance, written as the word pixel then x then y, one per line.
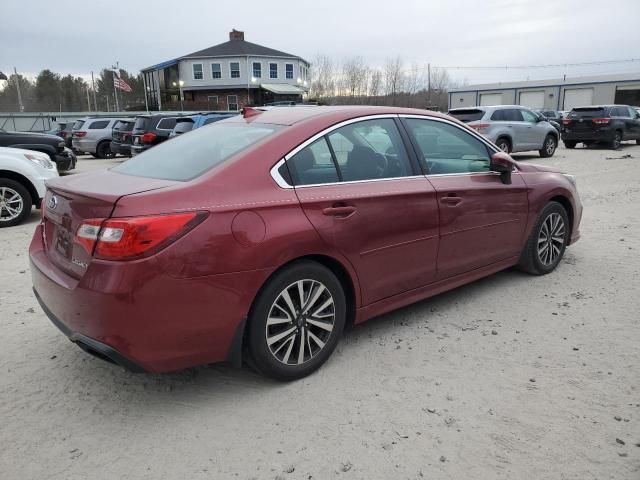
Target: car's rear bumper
pixel 87 146
pixel 135 314
pixel 588 136
pixel 65 161
pixel 120 148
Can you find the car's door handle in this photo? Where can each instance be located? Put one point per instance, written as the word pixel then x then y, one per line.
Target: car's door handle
pixel 451 200
pixel 339 211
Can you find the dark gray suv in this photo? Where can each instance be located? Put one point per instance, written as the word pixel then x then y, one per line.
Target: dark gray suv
pixel 511 127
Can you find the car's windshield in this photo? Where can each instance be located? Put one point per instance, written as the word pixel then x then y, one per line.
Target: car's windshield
pixel 588 112
pixel 467 115
pixel 189 156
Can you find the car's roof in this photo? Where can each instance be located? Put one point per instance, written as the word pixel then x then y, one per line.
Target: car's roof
pixel 293 115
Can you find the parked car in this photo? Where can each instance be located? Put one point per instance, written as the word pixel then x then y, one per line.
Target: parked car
pixel 122 137
pixel 511 127
pixel 63 130
pixel 52 145
pixel 276 228
pixel 607 124
pixel 554 115
pixel 188 123
pixel 93 136
pixel 150 130
pixel 22 177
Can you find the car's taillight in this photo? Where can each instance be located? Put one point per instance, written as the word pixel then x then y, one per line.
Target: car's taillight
pixel 600 121
pixel 148 137
pixel 566 121
pixel 133 237
pixel 62 134
pixel 79 134
pixel 479 126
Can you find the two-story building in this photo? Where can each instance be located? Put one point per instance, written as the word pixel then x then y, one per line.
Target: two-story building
pixel 227 76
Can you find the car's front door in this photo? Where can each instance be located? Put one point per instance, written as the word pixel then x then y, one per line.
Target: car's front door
pixel 537 130
pixel 365 198
pixel 482 220
pixel 633 123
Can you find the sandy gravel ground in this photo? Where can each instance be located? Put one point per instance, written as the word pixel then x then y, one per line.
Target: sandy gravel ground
pixel 510 377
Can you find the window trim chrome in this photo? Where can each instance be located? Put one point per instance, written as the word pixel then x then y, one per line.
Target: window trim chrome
pixel 282 183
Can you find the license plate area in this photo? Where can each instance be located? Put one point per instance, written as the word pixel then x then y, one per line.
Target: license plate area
pixel 64 239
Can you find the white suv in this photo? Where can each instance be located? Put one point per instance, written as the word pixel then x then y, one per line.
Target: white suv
pixel 23 174
pixel 93 135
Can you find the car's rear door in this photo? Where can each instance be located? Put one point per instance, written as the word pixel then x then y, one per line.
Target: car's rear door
pixel 536 130
pixel 365 197
pixel 482 220
pixel 634 124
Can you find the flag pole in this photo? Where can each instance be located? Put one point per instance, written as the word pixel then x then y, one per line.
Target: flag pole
pixel 93 87
pixel 115 89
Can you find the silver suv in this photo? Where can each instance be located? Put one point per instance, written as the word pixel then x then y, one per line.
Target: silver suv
pixel 93 135
pixel 511 127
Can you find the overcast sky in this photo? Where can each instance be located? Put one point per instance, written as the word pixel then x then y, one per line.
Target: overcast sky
pixel 80 37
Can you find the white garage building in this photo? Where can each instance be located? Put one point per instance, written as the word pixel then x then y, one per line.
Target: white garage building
pixel 560 94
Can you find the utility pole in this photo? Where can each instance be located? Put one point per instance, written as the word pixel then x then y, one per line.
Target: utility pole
pixel 20 105
pixel 95 102
pixel 88 100
pixel 428 84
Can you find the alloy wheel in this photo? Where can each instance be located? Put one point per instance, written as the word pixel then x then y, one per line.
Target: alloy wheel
pixel 617 140
pixel 11 204
pixel 551 239
pixel 550 146
pixel 300 322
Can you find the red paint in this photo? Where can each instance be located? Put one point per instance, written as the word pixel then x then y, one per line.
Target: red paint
pixel 398 240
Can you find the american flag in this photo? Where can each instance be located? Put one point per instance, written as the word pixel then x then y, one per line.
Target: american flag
pixel 119 82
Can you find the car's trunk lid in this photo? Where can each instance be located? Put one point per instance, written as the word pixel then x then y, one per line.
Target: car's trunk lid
pixel 71 200
pixel 581 119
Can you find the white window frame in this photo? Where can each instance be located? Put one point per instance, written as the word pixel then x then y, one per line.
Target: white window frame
pixel 286 71
pixel 211 70
pixel 253 69
pixel 276 71
pixel 231 70
pixel 236 103
pixel 193 71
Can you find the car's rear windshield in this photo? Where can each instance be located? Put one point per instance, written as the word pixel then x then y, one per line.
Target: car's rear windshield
pixel 78 125
pixel 467 115
pixel 182 127
pixel 188 156
pixel 124 125
pixel 586 112
pixel 141 123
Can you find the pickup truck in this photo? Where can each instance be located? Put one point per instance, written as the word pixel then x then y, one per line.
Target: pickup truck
pixel 52 145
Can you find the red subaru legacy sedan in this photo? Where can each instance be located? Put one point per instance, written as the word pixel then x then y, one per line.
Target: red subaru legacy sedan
pixel 259 237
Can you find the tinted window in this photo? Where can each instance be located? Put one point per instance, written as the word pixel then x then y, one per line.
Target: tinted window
pixel 98 125
pixel 468 114
pixel 369 150
pixel 183 127
pixel 499 116
pixel 123 125
pixel 587 112
pixel 166 124
pixel 188 156
pixel 512 115
pixel 445 148
pixel 313 165
pixel 141 123
pixel 78 125
pixel 619 112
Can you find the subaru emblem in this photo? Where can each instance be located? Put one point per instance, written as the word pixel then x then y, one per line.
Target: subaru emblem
pixel 53 202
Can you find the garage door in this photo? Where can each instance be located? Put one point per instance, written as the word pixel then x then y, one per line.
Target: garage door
pixel 532 99
pixel 577 97
pixel 628 95
pixel 487 99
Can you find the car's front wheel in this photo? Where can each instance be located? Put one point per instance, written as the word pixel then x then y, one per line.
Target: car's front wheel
pixel 296 321
pixel 547 242
pixel 549 147
pixel 103 150
pixel 15 202
pixel 504 145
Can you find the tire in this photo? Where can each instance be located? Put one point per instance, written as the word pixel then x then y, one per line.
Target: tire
pixel 569 144
pixel 638 141
pixel 103 150
pixel 548 147
pixel 15 203
pixel 617 140
pixel 276 353
pixel 504 145
pixel 537 260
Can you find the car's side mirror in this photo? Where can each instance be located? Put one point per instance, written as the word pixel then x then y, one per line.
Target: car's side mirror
pixel 503 164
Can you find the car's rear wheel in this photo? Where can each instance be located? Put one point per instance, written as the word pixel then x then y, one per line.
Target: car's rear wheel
pixel 617 140
pixel 547 242
pixel 504 145
pixel 569 144
pixel 103 150
pixel 15 202
pixel 548 147
pixel 296 321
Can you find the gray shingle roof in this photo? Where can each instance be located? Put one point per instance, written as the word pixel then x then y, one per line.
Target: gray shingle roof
pixel 238 47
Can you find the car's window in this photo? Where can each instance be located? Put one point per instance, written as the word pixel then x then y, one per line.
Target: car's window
pixel 499 116
pixel 467 115
pixel 313 165
pixel 448 149
pixel 513 115
pixel 98 125
pixel 78 125
pixel 529 116
pixel 632 112
pixel 621 112
pixel 369 150
pixel 166 124
pixel 201 150
pixel 587 112
pixel 183 127
pixel 141 123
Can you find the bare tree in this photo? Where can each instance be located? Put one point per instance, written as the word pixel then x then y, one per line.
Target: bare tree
pixel 375 84
pixel 322 77
pixel 393 76
pixel 355 76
